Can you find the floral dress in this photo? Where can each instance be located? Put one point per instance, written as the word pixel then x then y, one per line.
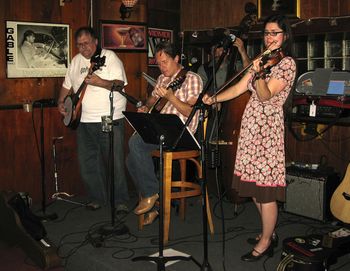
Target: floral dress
pixel 260 156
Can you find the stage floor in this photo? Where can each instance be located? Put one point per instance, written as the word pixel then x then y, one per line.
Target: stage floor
pixel 75 233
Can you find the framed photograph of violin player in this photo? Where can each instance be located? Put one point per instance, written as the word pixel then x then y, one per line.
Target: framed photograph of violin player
pixel 290 8
pixel 123 36
pixel 37 49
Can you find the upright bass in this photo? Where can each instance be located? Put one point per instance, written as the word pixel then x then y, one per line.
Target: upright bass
pixel 229 118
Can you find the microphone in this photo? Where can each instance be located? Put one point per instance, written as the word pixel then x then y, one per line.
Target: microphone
pixel 227 41
pixel 194 60
pixel 49 101
pixel 118 86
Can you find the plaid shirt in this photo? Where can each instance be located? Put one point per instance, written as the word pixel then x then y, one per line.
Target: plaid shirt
pixel 190 88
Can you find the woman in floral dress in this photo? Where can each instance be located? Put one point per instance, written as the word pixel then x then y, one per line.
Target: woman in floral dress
pixel 260 161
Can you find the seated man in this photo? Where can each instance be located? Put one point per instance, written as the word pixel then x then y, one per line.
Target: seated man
pixel 139 161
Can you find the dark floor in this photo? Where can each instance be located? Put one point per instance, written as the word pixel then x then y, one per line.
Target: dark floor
pixel 80 247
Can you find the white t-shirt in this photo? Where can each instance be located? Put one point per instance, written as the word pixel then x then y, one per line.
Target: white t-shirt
pixel 96 100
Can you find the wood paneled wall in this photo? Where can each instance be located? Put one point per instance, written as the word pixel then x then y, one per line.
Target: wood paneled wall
pixel 75 13
pixel 208 14
pixel 20 163
pixel 20 160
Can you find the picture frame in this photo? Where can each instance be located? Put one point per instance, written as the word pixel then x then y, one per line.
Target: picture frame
pixel 155 36
pixel 123 36
pixel 37 49
pixel 290 8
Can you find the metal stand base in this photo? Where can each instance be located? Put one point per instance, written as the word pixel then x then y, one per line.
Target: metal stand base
pixel 161 260
pixel 57 196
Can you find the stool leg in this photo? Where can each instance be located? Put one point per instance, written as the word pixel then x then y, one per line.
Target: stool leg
pixel 183 179
pixel 210 219
pixel 167 193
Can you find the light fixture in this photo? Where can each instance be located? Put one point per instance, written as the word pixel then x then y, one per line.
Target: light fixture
pixel 195 34
pixel 126 8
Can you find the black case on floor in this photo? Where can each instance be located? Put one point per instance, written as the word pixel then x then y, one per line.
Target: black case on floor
pixel 305 253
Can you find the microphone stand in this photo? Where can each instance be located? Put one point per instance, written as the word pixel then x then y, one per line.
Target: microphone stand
pixel 44 216
pixel 161 260
pixel 113 228
pixel 199 105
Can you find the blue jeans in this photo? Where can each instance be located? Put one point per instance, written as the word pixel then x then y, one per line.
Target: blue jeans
pixel 94 160
pixel 140 166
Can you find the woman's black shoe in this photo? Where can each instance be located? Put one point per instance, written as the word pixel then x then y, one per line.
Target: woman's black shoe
pixel 249 257
pixel 254 241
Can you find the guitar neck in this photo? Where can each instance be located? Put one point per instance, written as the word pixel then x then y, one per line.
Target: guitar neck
pixel 175 85
pixel 81 88
pixel 77 94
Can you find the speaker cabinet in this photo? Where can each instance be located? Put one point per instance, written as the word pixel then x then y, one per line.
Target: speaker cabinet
pixel 309 194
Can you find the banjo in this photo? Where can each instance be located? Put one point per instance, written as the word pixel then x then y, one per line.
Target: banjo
pixel 72 102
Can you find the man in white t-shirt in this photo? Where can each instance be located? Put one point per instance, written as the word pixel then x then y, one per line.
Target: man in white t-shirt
pixel 93 143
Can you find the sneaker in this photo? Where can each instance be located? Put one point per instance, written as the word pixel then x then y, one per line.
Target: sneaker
pixel 121 209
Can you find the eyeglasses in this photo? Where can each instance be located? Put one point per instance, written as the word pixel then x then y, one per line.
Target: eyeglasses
pixel 84 44
pixel 272 34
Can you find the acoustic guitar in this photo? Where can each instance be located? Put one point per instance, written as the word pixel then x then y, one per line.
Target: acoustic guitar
pixel 160 102
pixel 42 252
pixel 174 85
pixel 340 201
pixel 72 103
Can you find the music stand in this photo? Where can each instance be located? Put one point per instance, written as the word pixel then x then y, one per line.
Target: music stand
pixel 151 126
pixel 162 130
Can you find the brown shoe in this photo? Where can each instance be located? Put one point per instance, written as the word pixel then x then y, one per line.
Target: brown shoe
pixel 150 217
pixel 146 204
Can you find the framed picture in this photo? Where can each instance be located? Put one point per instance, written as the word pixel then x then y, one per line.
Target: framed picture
pixel 36 49
pixel 155 36
pixel 124 36
pixel 290 8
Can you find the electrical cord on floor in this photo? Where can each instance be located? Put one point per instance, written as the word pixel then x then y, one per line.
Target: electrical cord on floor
pixel 227 218
pixel 65 214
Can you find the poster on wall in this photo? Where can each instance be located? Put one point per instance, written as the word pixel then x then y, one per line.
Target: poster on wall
pixel 36 49
pixel 123 36
pixel 155 36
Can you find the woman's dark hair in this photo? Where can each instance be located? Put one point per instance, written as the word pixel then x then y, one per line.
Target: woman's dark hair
pixel 85 30
pixel 283 23
pixel 27 34
pixel 168 48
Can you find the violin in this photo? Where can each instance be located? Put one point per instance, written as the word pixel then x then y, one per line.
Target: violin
pixel 268 60
pixel 267 57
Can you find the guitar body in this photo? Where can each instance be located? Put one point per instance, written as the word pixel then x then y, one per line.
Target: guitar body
pixel 43 253
pixel 340 201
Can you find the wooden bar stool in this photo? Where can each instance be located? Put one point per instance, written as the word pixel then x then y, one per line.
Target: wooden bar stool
pixel 186 188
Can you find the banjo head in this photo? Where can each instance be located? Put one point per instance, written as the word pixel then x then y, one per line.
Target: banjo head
pixel 68 105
